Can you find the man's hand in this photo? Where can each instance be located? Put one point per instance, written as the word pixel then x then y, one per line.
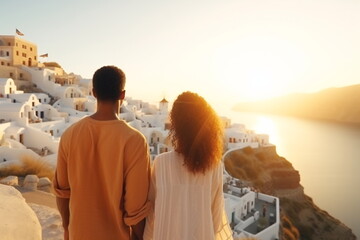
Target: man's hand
pixel 63 206
pixel 138 230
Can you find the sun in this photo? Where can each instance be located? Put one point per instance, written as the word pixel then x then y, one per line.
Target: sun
pixel 258 68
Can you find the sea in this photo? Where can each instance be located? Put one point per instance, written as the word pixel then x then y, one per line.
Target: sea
pixel 326 154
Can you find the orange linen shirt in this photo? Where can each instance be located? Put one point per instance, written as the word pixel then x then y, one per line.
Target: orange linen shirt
pixel 104 168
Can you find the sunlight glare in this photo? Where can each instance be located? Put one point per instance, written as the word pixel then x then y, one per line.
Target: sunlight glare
pixel 265 125
pixel 260 67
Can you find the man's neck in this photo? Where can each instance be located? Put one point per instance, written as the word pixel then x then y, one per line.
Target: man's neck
pixel 106 111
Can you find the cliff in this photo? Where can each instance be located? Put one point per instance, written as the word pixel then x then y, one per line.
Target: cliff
pixel 274 175
pixel 333 104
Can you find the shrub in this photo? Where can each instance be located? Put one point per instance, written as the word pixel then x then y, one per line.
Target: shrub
pixel 28 166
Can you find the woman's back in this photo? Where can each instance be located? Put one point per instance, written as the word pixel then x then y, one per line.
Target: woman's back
pixel 187 205
pixel 186 186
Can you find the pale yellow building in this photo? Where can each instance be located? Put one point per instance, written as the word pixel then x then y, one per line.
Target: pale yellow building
pixel 16 52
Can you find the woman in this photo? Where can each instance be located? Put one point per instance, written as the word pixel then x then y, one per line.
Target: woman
pixel 186 186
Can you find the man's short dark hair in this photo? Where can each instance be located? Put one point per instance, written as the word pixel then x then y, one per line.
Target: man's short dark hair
pixel 108 83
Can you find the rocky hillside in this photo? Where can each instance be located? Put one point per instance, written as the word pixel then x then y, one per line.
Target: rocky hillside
pixel 274 175
pixel 333 104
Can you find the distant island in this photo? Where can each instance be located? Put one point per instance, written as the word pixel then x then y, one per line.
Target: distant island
pixel 334 104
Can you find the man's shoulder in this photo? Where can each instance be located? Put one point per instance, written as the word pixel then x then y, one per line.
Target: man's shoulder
pixel 131 131
pixel 75 126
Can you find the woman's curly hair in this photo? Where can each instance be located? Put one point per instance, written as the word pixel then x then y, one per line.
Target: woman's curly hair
pixel 196 132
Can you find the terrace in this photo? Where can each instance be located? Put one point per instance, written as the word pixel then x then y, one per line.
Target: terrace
pixel 267 216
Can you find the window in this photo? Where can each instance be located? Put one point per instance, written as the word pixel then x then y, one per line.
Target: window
pixel 7 53
pixel 21 75
pixel 17 53
pixel 24 63
pixel 8 64
pixel 35 57
pixel 9 44
pixel 2 63
pixel 11 75
pixel 30 48
pixel 16 44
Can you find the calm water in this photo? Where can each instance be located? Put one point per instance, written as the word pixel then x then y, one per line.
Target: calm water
pixel 327 155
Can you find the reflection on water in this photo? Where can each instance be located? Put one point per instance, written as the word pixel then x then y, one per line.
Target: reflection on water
pixel 327 156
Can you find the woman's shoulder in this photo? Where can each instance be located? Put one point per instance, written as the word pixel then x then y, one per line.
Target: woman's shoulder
pixel 165 156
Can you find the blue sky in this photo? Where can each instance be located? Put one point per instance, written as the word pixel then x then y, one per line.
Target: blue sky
pixel 228 51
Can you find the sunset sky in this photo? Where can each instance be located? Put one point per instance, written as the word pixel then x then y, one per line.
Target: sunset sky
pixel 226 50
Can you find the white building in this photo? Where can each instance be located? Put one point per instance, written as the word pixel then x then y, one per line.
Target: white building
pixel 7 86
pixel 22 113
pixel 29 98
pixel 43 97
pixel 251 214
pixel 85 85
pixel 48 113
pixel 164 107
pixel 237 136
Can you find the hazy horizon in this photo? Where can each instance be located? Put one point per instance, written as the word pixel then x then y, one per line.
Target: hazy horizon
pixel 228 51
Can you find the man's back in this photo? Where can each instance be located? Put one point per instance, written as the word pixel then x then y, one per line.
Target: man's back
pixel 103 166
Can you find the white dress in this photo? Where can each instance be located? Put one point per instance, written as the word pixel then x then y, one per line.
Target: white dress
pixel 187 206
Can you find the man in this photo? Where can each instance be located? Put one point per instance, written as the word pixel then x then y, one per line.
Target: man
pixel 103 169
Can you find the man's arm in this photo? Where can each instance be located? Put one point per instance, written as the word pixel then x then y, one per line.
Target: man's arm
pixel 61 184
pixel 63 206
pixel 138 230
pixel 136 185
